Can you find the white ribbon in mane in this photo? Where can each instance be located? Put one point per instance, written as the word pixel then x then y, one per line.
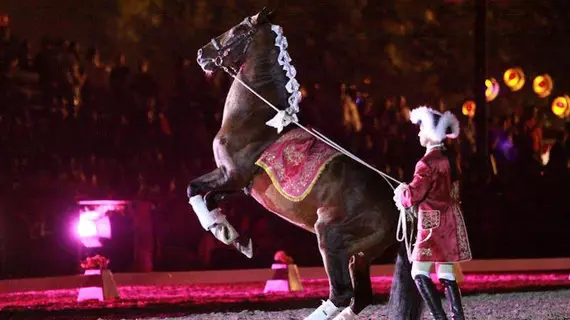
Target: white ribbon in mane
pixel 284 117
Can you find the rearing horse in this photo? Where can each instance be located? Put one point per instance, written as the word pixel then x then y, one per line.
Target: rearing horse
pixel 349 209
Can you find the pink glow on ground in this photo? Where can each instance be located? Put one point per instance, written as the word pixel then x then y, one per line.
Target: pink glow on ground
pixel 235 293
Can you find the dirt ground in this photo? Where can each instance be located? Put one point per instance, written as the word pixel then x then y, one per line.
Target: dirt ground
pixel 540 305
pixel 537 296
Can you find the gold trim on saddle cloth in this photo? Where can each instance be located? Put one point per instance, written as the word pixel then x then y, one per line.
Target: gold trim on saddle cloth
pixel 274 171
pixel 275 181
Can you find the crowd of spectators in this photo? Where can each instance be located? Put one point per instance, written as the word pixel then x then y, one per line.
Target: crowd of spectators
pixel 73 127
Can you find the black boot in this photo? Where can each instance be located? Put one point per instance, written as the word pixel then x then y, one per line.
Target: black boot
pixel 431 297
pixel 453 295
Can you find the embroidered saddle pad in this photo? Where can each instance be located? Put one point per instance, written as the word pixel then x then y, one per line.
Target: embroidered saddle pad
pixel 295 161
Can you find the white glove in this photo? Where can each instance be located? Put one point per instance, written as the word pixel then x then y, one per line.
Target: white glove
pixel 398 195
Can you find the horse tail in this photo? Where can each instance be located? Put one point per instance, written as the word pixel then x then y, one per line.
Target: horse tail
pixel 405 300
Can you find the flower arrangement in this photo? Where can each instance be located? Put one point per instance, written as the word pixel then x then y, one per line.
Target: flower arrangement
pixel 95 262
pixel 282 257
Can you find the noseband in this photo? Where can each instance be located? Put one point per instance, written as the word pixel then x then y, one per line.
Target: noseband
pixel 234 42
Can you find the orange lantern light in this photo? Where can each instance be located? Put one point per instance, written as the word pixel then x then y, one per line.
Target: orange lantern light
pixel 492 90
pixel 542 85
pixel 514 78
pixel 4 20
pixel 303 92
pixel 468 108
pixel 561 106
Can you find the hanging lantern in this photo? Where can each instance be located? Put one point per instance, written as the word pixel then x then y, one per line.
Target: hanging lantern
pixel 492 90
pixel 514 78
pixel 468 108
pixel 542 85
pixel 561 106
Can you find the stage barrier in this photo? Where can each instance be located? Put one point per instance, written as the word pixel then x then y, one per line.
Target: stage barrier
pixel 262 275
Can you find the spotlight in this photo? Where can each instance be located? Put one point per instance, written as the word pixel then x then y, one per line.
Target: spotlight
pixel 514 78
pixel 492 90
pixel 94 223
pixel 561 106
pixel 468 108
pixel 542 85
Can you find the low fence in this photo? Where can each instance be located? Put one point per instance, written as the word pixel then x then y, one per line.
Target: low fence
pixel 260 275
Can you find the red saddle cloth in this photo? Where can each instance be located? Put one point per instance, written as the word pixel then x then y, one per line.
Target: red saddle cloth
pixel 295 161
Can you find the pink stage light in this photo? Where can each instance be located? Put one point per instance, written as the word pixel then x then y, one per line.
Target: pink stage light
pixel 86 227
pixel 92 226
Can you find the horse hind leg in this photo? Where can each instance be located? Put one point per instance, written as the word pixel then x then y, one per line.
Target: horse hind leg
pixel 335 257
pixel 359 268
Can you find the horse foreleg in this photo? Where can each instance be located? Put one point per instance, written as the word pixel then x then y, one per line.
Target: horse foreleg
pixel 214 220
pixel 335 256
pixel 216 179
pixel 213 198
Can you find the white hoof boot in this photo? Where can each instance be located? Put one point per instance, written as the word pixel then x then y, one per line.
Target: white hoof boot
pixel 324 312
pixel 346 314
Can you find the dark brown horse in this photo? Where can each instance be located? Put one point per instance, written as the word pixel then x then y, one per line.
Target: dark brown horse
pixel 350 208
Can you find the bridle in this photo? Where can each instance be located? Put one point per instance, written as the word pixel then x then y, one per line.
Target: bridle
pixel 233 43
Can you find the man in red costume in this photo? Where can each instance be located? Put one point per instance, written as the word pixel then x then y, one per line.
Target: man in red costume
pixel 434 191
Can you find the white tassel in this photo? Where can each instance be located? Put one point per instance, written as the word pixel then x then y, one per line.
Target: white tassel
pixel 281 120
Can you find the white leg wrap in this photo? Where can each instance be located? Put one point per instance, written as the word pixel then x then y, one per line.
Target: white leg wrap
pixel 324 312
pixel 213 221
pixel 346 314
pixel 224 231
pixel 207 218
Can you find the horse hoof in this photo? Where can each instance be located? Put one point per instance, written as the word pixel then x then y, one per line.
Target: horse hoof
pixel 346 314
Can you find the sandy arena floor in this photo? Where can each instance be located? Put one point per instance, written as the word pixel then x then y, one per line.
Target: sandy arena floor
pixel 523 296
pixel 543 305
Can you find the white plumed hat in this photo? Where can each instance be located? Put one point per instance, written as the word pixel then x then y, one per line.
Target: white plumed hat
pixel 436 125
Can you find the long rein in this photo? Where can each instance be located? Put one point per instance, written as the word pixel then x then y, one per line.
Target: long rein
pixel 401 231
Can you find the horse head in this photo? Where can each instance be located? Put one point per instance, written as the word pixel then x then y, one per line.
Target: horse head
pixel 228 50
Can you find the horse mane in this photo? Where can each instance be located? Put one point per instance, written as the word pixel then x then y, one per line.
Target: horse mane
pixel 268 65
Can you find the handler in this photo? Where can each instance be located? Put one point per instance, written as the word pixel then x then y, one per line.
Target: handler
pixel 442 237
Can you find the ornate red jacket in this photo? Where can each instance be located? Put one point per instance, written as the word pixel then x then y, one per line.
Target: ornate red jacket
pixel 442 236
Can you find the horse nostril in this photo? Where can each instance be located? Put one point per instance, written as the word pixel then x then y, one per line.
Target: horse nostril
pixel 200 53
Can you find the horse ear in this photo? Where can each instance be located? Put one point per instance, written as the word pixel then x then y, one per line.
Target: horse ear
pixel 271 15
pixel 262 16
